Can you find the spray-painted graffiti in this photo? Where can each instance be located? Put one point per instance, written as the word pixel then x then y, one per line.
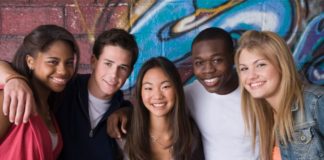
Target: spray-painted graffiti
pixel 167 27
pixel 164 28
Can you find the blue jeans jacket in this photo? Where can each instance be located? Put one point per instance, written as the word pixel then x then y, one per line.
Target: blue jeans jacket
pixel 308 136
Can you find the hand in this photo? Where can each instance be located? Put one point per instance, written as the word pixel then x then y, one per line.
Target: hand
pixel 18 101
pixel 117 121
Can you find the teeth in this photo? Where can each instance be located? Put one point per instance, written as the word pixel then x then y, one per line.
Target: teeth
pixel 158 104
pixel 211 82
pixel 59 80
pixel 258 84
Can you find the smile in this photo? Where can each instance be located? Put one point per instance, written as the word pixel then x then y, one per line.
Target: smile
pixel 256 84
pixel 59 81
pixel 211 82
pixel 158 105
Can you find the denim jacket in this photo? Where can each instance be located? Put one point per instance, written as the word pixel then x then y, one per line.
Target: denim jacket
pixel 308 136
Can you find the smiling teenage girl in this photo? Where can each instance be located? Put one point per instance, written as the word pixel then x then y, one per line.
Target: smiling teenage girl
pixel 47 58
pixel 287 114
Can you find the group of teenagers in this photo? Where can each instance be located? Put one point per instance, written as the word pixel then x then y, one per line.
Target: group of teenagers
pixel 245 103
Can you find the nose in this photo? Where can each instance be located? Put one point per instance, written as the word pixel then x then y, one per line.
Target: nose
pixel 208 67
pixel 252 74
pixel 62 69
pixel 157 94
pixel 113 71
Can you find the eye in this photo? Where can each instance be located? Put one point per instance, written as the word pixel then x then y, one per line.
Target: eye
pixel 52 62
pixel 108 64
pixel 70 63
pixel 217 60
pixel 147 88
pixel 198 63
pixel 166 86
pixel 124 68
pixel 260 65
pixel 242 69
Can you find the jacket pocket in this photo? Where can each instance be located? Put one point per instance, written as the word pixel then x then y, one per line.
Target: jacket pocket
pixel 306 144
pixel 303 136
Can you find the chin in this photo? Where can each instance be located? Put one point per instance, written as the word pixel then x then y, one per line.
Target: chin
pixel 258 96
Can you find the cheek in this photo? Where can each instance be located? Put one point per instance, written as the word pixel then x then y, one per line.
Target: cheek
pixel 171 96
pixel 145 97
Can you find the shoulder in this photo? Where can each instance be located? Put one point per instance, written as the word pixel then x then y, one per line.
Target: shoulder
pixel 313 95
pixel 192 87
pixel 314 98
pixel 80 80
pixel 317 91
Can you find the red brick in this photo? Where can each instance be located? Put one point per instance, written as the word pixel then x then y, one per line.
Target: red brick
pixel 21 20
pixel 107 18
pixel 8 48
pixel 74 21
pixel 8 2
pixel 52 2
pixel 86 52
pixel 113 2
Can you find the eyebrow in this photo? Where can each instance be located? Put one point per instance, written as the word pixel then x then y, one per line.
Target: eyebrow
pixel 215 54
pixel 111 61
pixel 166 81
pixel 254 62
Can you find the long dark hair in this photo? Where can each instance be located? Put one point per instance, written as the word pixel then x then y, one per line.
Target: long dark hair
pixel 138 138
pixel 39 41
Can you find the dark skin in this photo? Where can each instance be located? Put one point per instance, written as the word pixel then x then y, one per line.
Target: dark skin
pixel 116 122
pixel 213 67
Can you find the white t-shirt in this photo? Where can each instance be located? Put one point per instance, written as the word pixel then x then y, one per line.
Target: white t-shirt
pixel 221 124
pixel 97 108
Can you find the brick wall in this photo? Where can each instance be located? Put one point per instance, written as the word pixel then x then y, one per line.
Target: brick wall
pixel 80 17
pixel 167 27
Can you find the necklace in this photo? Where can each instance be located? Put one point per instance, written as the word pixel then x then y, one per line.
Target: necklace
pixel 156 140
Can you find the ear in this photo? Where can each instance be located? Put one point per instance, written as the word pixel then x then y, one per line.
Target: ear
pixel 30 62
pixel 93 62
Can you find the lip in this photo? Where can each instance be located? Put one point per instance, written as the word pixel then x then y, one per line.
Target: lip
pixel 211 81
pixel 158 105
pixel 59 81
pixel 111 82
pixel 257 84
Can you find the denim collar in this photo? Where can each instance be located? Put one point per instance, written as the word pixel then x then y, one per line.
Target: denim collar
pixel 294 107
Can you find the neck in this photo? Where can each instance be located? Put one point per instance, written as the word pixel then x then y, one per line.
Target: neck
pixel 231 85
pixel 274 101
pixel 159 126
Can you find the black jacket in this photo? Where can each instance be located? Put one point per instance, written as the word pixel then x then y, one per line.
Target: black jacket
pixel 80 142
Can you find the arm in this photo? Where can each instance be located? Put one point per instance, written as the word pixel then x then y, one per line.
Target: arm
pixel 5 72
pixel 18 99
pixel 117 121
pixel 4 121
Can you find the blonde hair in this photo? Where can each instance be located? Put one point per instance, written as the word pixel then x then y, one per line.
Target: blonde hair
pixel 257 113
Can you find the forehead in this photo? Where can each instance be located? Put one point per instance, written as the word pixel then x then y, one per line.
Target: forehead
pixel 155 74
pixel 250 55
pixel 209 48
pixel 116 53
pixel 57 49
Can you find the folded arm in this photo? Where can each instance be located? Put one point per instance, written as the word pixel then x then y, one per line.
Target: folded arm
pixel 18 101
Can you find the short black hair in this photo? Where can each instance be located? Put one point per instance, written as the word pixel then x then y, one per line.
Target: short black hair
pixel 215 33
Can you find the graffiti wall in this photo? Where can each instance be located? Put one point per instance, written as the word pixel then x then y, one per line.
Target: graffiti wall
pixel 167 27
